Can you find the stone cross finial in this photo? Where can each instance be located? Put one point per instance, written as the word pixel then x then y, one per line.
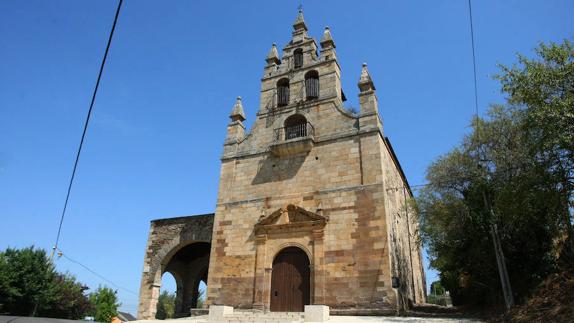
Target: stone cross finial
pixel 273 56
pixel 237 111
pixel 365 81
pixel 327 39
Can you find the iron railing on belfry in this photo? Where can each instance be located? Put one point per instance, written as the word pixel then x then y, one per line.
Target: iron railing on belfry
pixel 302 130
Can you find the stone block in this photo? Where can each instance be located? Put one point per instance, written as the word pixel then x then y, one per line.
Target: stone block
pixel 316 313
pixel 218 311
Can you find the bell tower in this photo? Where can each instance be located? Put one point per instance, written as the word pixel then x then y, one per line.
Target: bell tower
pixel 300 61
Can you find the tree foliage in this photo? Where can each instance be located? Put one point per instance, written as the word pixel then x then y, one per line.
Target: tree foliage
pixel 514 170
pixel 106 304
pixel 165 306
pixel 72 301
pixel 543 88
pixel 200 298
pixel 437 294
pixel 29 285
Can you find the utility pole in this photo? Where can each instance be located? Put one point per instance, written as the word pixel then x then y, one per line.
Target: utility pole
pixel 504 280
pixel 502 271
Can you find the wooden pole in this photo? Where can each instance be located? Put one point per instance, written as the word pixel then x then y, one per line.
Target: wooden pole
pixel 501 264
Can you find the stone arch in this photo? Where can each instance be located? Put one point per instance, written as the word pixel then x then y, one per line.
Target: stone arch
pixel 188 272
pixel 282 92
pixel 277 250
pixel 166 239
pixel 168 249
pixel 298 58
pixel 295 126
pixel 312 85
pixel 189 262
pixel 280 122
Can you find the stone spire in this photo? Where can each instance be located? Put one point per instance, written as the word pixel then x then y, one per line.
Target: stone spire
pixel 273 56
pixel 235 128
pixel 327 40
pixel 237 111
pixel 327 45
pixel 300 21
pixel 365 81
pixel 299 29
pixel 369 118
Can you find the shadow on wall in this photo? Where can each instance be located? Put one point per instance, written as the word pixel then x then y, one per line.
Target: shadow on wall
pixel 274 169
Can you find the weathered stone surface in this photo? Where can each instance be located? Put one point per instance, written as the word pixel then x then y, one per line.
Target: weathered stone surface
pixel 218 311
pixel 166 238
pixel 316 313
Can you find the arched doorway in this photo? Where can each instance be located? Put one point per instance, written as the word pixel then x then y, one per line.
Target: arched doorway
pixel 290 281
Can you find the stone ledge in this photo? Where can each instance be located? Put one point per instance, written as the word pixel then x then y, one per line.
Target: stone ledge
pixel 363 312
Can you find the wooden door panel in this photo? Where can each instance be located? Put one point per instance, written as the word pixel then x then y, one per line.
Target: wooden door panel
pixel 290 290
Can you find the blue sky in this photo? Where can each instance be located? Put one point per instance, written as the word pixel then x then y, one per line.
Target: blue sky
pixel 173 72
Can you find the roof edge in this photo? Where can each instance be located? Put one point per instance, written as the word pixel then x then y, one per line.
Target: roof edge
pixel 397 164
pixel 183 217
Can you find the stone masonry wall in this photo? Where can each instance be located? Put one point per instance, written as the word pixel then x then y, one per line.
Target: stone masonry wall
pixel 330 180
pixel 403 236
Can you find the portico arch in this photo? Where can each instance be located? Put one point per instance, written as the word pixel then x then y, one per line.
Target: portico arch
pixel 190 263
pixel 170 240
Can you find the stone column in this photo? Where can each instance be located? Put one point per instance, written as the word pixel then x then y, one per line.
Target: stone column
pixel 258 295
pixel 318 270
pixel 149 294
pixel 267 288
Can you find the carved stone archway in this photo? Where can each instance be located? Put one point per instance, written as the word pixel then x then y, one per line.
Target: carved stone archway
pixel 290 225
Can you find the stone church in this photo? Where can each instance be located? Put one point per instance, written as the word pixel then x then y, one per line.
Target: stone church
pixel 312 208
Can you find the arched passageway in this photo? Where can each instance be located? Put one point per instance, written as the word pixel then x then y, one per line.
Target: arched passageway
pixel 290 281
pixel 189 266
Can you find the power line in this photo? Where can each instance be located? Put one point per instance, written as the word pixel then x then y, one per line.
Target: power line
pixel 502 270
pixel 85 129
pixel 473 60
pixel 62 254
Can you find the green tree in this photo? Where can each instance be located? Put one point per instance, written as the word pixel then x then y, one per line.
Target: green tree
pixel 165 306
pixel 71 301
pixel 200 298
pixel 543 88
pixel 25 281
pixel 437 294
pixel 105 303
pixel 514 170
pixel 29 285
pixel 436 288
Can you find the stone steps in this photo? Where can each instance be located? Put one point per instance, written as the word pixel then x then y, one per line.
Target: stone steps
pixel 226 314
pixel 253 317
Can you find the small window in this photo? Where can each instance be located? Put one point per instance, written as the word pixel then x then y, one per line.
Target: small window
pixel 298 57
pixel 283 92
pixel 312 85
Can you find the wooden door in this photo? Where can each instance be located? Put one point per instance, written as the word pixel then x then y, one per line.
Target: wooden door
pixel 290 281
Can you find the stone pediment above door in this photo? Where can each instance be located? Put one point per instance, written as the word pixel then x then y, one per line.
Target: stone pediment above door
pixel 290 218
